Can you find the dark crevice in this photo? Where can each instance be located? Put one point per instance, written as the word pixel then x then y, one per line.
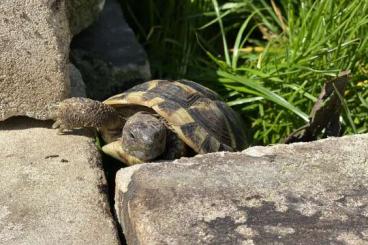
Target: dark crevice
pixel 111 166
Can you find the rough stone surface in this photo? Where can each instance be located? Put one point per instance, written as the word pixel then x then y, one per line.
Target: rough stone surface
pixel 108 54
pixel 52 187
pixel 34 47
pixel 82 13
pixel 77 85
pixel 304 193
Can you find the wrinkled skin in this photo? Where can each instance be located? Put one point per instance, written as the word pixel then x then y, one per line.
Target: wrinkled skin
pixel 144 136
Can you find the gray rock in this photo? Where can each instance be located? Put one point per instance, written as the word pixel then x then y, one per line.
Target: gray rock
pixel 304 193
pixel 108 54
pixel 82 13
pixel 34 47
pixel 77 86
pixel 53 190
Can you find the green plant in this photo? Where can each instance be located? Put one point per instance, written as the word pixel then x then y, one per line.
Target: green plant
pixel 305 42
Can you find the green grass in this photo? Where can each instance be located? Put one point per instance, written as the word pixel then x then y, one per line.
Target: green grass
pixel 304 45
pixel 268 59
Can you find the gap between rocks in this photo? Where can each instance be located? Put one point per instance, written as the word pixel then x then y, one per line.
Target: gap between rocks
pixel 110 167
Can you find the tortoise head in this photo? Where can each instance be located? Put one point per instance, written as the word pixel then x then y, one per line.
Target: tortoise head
pixel 143 139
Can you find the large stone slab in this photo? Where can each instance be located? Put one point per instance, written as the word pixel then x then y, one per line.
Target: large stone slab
pixel 305 193
pixel 34 47
pixel 53 190
pixel 34 44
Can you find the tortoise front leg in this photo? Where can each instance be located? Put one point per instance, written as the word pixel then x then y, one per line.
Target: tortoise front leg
pixel 80 112
pixel 175 147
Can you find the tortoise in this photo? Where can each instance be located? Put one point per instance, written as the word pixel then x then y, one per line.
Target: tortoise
pixel 158 119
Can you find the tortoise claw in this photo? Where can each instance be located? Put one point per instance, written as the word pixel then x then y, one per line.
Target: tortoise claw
pixel 59 126
pixel 56 124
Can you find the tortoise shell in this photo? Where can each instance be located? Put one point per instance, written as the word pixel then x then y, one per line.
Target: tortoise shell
pixel 195 113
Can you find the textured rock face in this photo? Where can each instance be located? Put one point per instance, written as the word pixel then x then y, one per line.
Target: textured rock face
pixel 82 13
pixel 306 193
pixel 53 190
pixel 77 85
pixel 34 44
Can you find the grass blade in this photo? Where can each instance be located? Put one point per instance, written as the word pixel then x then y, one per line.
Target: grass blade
pixel 266 93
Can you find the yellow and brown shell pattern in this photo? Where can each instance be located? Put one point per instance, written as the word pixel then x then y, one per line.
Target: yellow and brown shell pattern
pixel 195 113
